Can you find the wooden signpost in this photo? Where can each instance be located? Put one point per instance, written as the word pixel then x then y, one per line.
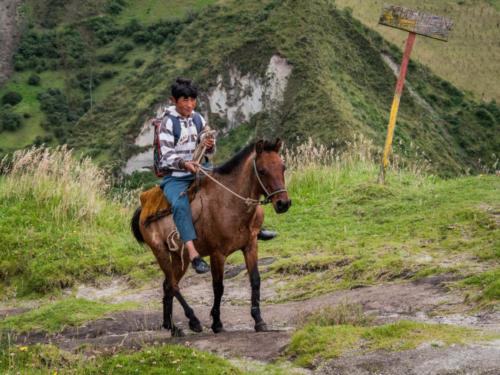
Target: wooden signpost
pixel 414 22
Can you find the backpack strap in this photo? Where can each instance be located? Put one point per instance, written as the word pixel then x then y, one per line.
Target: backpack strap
pixel 176 125
pixel 198 122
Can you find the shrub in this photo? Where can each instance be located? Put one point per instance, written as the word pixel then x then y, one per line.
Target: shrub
pixel 141 37
pixel 485 117
pixel 138 63
pixel 34 80
pixel 132 27
pixel 10 121
pixel 107 74
pixel 12 98
pixel 115 6
pixel 106 58
pixel 125 47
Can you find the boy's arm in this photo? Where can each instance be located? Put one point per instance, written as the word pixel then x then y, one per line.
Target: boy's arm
pixel 169 159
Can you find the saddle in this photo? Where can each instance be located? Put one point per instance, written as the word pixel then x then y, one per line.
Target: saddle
pixel 155 206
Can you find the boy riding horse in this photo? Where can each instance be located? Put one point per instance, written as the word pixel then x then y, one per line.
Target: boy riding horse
pixel 177 149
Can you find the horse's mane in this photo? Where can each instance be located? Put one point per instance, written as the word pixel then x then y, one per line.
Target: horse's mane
pixel 241 156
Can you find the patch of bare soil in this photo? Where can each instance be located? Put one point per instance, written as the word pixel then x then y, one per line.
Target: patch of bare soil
pixel 471 360
pixel 426 300
pixel 9 36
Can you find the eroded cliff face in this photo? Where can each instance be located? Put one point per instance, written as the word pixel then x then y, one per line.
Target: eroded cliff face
pixel 247 95
pixel 235 101
pixel 9 36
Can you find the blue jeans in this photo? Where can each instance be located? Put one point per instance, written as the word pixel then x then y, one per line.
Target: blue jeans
pixel 175 190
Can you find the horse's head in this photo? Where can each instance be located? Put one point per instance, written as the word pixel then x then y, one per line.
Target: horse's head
pixel 270 171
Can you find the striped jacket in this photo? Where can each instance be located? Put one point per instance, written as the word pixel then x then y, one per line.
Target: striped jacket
pixel 174 156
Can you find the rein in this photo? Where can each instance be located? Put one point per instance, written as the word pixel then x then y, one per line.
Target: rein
pixel 248 201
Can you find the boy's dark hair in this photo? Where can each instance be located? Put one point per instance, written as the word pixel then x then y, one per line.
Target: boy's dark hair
pixel 183 87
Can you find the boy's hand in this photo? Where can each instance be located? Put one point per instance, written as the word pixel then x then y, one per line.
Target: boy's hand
pixel 191 166
pixel 209 142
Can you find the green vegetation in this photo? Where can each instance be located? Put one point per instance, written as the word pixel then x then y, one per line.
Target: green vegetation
pixel 345 230
pixel 488 284
pixel 149 11
pixel 11 98
pixel 58 226
pixel 472 45
pixel 54 317
pixel 88 55
pixel 112 70
pixel 164 359
pixel 314 342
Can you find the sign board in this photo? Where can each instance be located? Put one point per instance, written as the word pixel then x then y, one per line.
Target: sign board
pixel 416 22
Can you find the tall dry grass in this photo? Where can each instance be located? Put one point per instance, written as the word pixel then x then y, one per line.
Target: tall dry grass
pixel 358 152
pixel 314 169
pixel 54 179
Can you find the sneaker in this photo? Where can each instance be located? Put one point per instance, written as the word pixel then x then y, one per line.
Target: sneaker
pixel 266 235
pixel 199 265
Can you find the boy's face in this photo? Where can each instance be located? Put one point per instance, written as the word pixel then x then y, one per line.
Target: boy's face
pixel 184 106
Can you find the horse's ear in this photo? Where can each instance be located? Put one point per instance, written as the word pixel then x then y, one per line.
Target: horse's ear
pixel 278 144
pixel 259 146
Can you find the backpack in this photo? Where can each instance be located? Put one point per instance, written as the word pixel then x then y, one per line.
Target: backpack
pixel 176 128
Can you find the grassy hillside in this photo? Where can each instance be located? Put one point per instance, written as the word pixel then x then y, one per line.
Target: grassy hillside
pixel 346 230
pixel 73 47
pixel 339 87
pixel 110 70
pixel 469 60
pixel 59 227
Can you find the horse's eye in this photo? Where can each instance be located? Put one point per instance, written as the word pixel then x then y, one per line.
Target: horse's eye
pixel 262 172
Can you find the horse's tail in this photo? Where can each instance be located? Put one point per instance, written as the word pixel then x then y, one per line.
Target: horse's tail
pixel 134 225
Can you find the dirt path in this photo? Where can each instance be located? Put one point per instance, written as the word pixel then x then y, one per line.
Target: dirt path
pixel 471 360
pixel 426 301
pixel 9 36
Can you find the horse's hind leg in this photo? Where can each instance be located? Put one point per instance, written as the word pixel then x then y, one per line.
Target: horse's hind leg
pixel 251 261
pixel 180 270
pixel 217 261
pixel 169 285
pixel 168 299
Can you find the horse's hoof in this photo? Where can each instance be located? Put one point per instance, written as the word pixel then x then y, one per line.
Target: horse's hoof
pixel 177 332
pixel 218 328
pixel 261 327
pixel 195 326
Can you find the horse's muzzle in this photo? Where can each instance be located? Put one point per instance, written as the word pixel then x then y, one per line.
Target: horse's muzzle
pixel 283 206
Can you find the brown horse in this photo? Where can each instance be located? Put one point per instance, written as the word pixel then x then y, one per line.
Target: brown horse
pixel 224 223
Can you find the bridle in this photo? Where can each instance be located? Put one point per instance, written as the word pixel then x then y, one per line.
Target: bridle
pixel 248 201
pixel 268 195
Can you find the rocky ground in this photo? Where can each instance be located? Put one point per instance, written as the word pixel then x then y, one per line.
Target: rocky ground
pixel 9 35
pixel 426 300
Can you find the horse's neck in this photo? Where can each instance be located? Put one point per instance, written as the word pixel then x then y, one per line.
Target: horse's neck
pixel 241 181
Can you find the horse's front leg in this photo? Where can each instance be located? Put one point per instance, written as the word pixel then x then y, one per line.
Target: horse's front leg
pixel 217 261
pixel 251 261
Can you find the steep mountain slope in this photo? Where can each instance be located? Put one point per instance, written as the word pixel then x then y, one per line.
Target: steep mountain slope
pixel 470 58
pixel 341 84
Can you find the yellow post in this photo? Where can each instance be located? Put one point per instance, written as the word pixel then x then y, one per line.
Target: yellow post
pixel 395 105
